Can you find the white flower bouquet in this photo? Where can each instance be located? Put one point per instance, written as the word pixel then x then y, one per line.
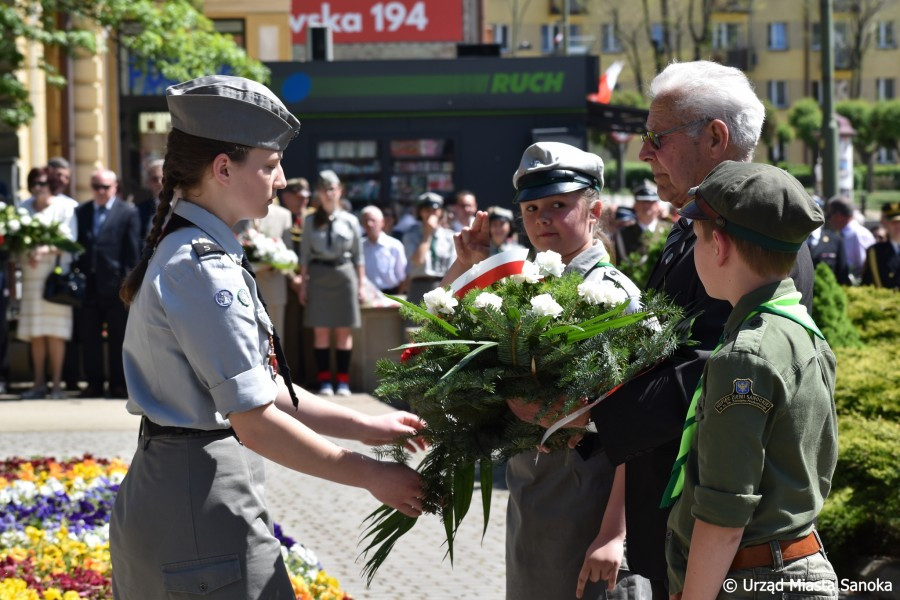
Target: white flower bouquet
pixel 267 250
pixel 20 232
pixel 537 335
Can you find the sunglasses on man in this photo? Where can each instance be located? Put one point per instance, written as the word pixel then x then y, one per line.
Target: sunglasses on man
pixel 100 186
pixel 655 139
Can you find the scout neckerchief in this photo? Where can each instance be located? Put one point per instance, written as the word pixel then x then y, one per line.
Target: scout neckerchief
pixel 787 306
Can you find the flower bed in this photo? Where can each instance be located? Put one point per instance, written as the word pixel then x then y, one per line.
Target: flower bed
pixel 54 533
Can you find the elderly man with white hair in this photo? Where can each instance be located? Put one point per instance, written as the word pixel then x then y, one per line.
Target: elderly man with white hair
pixel 701 114
pixel 385 255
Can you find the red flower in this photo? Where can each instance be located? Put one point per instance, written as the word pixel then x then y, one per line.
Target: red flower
pixel 409 353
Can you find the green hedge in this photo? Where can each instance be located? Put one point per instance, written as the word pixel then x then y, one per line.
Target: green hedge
pixel 861 517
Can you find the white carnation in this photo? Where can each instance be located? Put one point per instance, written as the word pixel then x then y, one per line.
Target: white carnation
pixel 595 292
pixel 550 263
pixel 486 299
pixel 26 220
pixel 440 300
pixel 530 273
pixel 544 305
pixel 14 226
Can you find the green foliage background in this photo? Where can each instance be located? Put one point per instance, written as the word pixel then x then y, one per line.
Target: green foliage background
pixel 861 517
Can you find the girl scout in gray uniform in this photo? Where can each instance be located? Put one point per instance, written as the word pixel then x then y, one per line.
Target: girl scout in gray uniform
pixel 332 267
pixel 190 516
pixel 553 538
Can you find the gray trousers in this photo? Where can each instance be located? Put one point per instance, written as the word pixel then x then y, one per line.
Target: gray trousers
pixel 190 519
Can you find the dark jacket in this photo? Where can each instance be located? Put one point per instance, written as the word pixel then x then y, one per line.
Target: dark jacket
pixel 882 268
pixel 641 424
pixel 108 257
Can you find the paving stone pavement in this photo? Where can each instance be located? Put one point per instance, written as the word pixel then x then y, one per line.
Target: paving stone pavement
pixel 322 515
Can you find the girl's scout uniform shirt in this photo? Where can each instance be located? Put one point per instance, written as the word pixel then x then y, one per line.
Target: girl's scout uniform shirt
pixel 766 444
pixel 197 339
pixel 338 242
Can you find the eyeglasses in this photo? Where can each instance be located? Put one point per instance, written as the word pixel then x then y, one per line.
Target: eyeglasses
pixel 656 138
pixel 100 186
pixel 41 183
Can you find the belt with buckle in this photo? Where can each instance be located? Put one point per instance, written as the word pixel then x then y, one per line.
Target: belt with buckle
pixel 761 554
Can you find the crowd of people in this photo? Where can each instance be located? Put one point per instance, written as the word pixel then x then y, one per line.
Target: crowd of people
pixel 715 463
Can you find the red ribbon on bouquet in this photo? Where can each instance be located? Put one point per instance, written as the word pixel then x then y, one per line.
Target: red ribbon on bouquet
pixel 490 271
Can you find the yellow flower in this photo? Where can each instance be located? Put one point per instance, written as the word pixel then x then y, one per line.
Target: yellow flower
pixel 53 594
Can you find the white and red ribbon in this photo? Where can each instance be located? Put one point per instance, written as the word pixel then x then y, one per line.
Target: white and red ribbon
pixel 490 271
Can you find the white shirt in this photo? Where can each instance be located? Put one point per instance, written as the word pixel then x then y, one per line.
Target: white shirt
pixel 385 261
pixel 857 240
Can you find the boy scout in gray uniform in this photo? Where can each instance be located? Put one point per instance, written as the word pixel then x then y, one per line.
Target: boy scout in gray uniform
pixel 760 442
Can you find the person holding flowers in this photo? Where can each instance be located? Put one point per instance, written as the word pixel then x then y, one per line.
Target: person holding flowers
pixel 332 269
pixel 45 325
pixel 556 504
pixel 200 355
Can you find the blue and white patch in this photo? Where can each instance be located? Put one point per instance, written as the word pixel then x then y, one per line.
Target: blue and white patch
pixel 743 394
pixel 224 298
pixel 244 297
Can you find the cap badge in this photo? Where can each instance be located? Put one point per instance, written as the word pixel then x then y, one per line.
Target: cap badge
pixel 535 163
pixel 224 298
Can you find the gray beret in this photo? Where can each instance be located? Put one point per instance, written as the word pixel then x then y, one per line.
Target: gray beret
pixel 232 109
pixel 550 168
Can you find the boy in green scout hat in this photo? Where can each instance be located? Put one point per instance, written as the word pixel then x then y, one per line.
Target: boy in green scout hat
pixel 760 440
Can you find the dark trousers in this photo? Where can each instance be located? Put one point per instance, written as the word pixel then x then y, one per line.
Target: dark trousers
pixel 93 314
pixel 4 324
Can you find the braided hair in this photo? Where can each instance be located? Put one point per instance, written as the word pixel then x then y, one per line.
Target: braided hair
pixel 187 159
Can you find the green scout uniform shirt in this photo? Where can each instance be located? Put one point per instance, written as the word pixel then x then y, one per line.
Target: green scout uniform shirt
pixel 764 462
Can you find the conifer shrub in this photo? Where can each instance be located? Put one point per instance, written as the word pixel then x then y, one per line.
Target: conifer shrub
pixel 830 310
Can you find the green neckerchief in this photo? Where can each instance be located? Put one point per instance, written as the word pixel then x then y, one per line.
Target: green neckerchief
pixel 787 306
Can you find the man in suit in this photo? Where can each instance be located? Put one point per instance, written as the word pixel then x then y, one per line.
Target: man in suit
pixel 153 178
pixel 882 268
pixel 109 231
pixel 701 115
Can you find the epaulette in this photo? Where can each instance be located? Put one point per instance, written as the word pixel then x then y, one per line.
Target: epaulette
pixel 205 248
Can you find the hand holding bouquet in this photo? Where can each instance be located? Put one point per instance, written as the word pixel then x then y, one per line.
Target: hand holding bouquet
pixel 269 251
pixel 20 232
pixel 537 335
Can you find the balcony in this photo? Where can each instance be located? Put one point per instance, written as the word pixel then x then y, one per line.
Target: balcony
pixel 576 7
pixel 743 59
pixel 733 6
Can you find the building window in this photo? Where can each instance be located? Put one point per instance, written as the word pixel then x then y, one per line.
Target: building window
pixel 234 28
pixel 657 37
pixel 886 156
pixel 552 39
pixel 816 90
pixel 778 36
pixel 609 41
pixel 725 36
pixel 778 93
pixel 884 88
pixel 500 34
pixel 886 38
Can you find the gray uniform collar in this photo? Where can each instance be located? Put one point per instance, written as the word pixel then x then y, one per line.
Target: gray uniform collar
pixel 212 226
pixel 585 261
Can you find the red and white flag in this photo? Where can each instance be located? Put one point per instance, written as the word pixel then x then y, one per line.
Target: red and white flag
pixel 607 83
pixel 490 271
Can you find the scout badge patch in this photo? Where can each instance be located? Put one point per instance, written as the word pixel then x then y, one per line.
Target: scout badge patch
pixel 743 394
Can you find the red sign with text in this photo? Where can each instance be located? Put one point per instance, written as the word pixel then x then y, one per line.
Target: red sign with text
pixel 367 21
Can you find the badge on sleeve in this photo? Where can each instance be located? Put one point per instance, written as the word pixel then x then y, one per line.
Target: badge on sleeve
pixel 743 394
pixel 224 298
pixel 244 297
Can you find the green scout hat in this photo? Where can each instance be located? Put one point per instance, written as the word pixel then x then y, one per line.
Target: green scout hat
pixel 232 109
pixel 550 168
pixel 890 211
pixel 758 203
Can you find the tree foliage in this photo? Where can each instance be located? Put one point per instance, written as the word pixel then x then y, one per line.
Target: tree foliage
pixel 886 123
pixel 805 117
pixel 173 37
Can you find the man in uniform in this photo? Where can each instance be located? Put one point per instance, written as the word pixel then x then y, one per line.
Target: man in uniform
pixel 647 227
pixel 882 268
pixel 759 445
